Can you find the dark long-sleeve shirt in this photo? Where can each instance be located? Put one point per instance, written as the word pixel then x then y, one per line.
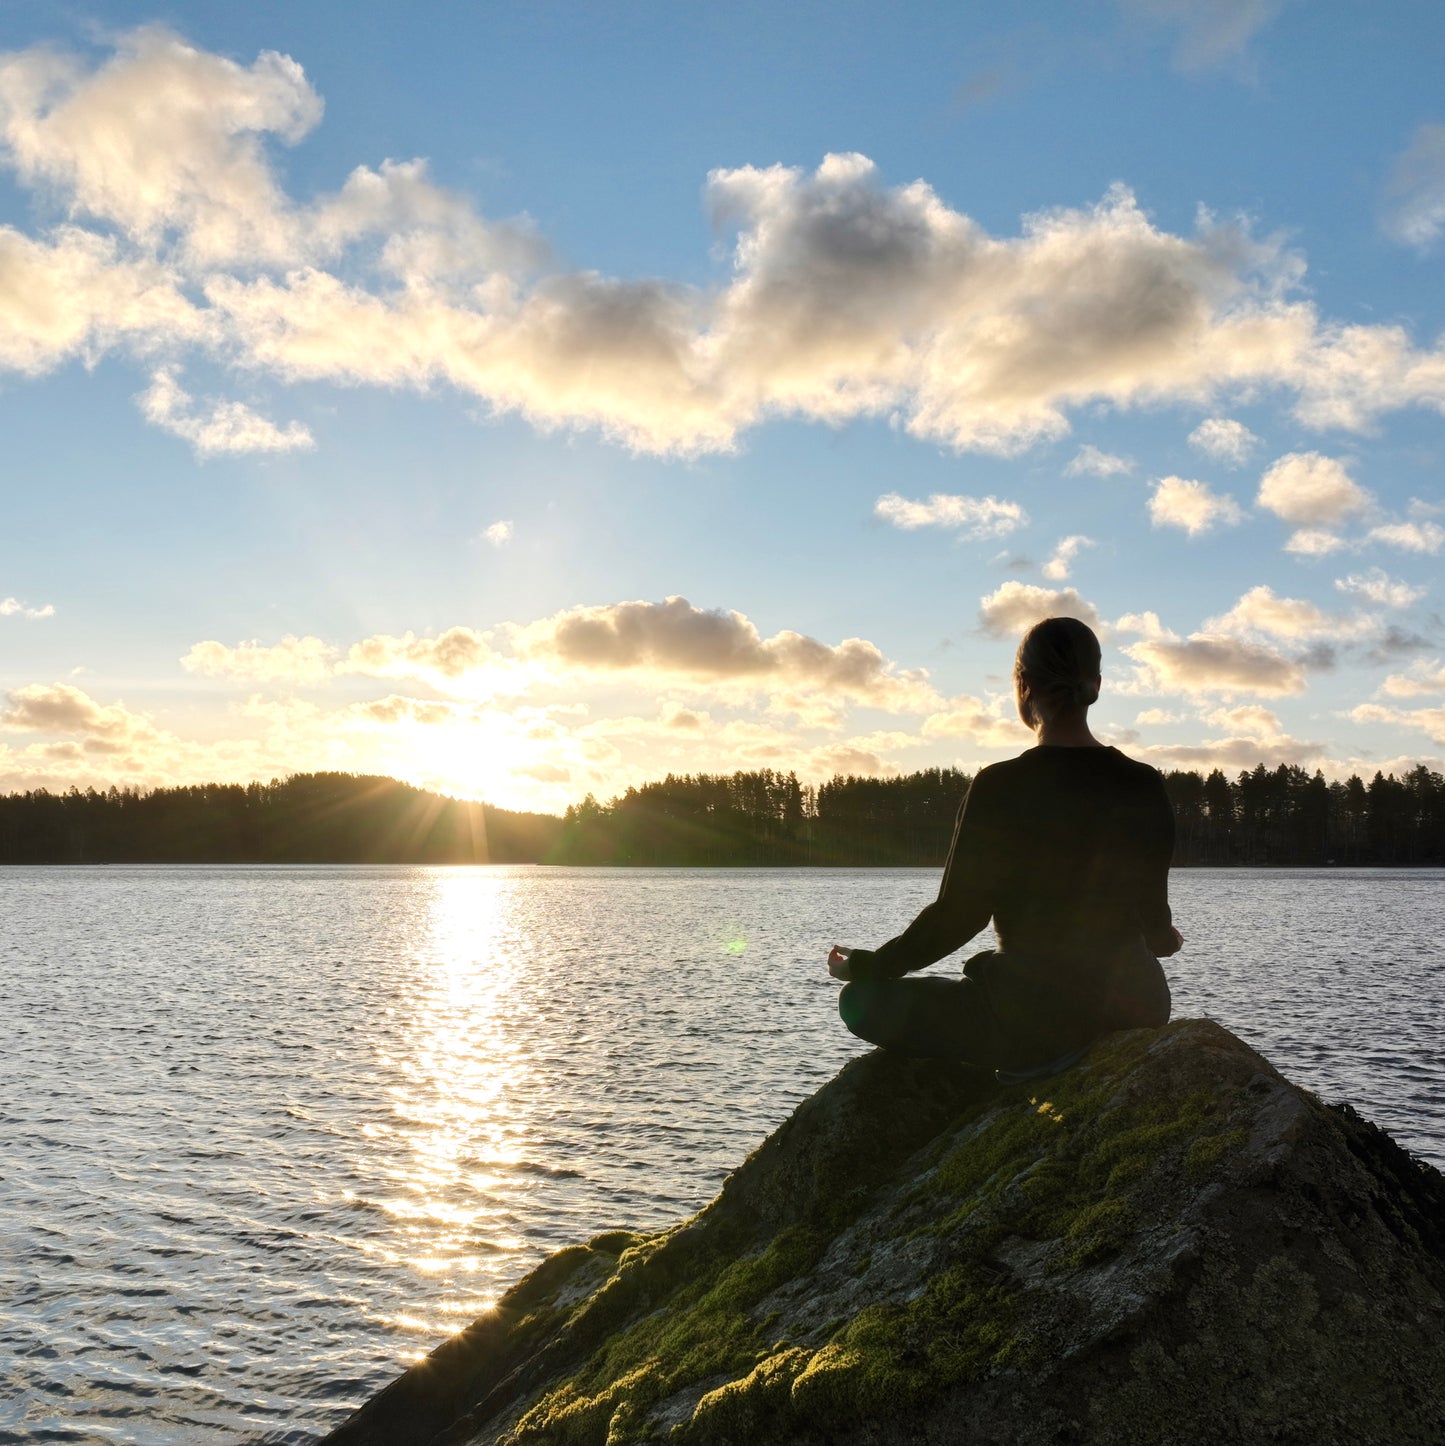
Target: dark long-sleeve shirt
pixel 1066 849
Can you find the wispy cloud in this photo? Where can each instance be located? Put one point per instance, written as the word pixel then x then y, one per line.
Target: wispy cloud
pixel 227 428
pixel 973 517
pixel 498 534
pixel 1378 587
pixel 292 660
pixel 12 607
pixel 1058 567
pixel 1210 32
pixel 1426 537
pixel 1090 461
pixel 1415 195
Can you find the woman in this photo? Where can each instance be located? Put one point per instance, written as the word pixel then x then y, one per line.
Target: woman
pixel 1067 849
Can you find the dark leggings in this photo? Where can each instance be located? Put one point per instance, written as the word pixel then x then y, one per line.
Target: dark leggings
pixel 925 1016
pixel 1005 1015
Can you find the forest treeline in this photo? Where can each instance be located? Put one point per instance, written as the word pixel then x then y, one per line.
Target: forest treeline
pixel 1264 816
pixel 307 818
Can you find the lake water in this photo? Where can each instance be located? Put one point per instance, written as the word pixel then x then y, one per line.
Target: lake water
pixel 271 1133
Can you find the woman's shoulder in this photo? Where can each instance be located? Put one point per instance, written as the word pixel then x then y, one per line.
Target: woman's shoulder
pixel 1092 762
pixel 1145 772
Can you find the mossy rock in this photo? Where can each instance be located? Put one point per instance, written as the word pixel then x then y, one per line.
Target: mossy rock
pixel 1164 1242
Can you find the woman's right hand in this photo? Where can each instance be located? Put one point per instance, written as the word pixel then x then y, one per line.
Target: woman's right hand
pixel 838 961
pixel 1178 939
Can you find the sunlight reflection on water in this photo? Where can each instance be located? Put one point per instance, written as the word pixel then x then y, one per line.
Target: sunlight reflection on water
pixel 459 1091
pixel 271 1133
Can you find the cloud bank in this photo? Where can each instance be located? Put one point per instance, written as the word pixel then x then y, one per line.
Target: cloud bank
pixel 846 297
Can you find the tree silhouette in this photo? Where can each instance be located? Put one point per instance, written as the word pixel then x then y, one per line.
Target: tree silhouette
pixel 761 818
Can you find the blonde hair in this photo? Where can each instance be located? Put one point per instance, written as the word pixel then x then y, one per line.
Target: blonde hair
pixel 1056 667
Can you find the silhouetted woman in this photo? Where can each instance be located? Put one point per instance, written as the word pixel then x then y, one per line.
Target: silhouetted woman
pixel 1066 848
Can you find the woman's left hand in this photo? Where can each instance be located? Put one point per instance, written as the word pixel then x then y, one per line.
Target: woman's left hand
pixel 838 962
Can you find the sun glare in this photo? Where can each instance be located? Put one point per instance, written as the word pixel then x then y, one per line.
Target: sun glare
pixel 453 1105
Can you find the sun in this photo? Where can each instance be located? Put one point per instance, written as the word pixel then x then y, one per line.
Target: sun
pixel 488 757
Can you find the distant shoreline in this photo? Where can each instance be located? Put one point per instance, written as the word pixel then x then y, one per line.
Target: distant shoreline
pixel 1264 818
pixel 819 868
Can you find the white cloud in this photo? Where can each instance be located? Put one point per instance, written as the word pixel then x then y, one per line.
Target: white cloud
pixel 60 709
pixel 1207 663
pixel 1157 718
pixel 1409 536
pixel 229 428
pixel 1089 461
pixel 986 725
pixel 1262 611
pixel 1422 678
pixel 1180 502
pixel 1144 625
pixel 1013 608
pixel 848 297
pixel 1225 440
pixel 498 534
pixel 1311 490
pixel 670 644
pixel 162 139
pixel 292 660
pixel 458 657
pixel 1430 721
pixel 75 296
pixel 1248 719
pixel 1211 32
pixel 1378 587
pixel 11 607
pixel 1313 542
pixel 1228 754
pixel 974 517
pixel 1415 213
pixel 673 640
pixel 1057 568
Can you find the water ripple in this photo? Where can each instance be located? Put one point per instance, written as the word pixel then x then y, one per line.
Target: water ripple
pixel 271 1133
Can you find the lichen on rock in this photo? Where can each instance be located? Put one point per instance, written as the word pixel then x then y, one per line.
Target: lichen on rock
pixel 1168 1242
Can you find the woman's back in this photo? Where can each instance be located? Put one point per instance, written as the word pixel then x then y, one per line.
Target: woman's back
pixel 1068 849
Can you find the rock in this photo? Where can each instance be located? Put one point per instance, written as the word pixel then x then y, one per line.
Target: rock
pixel 1167 1243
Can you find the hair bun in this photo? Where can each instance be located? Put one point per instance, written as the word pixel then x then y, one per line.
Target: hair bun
pixel 1057 666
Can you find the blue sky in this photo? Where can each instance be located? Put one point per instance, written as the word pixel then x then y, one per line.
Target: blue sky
pixel 529 401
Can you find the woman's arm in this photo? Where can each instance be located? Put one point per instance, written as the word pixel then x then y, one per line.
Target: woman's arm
pixel 1155 918
pixel 963 906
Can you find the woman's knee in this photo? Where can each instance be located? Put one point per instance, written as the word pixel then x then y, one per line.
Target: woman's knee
pixel 858 1008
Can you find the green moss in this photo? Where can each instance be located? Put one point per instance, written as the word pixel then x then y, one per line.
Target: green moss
pixel 1065 1170
pixel 614 1242
pixel 1207 1151
pixel 1070 1172
pixel 892 1359
pixel 705 1331
pixel 757 1408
